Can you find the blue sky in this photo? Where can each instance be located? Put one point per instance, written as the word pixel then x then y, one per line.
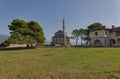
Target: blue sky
pixel 49 13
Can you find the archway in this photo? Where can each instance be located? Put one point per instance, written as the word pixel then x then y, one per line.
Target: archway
pixel 112 42
pixel 118 42
pixel 97 43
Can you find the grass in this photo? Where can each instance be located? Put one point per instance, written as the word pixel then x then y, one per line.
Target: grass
pixel 60 63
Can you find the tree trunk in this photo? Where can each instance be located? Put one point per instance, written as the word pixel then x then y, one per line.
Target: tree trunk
pixel 81 41
pixel 77 41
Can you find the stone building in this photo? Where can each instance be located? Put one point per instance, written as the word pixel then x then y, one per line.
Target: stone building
pixel 105 36
pixel 60 38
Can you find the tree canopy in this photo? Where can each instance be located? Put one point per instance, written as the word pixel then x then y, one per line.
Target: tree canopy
pixel 79 33
pixel 94 25
pixel 83 34
pixel 75 35
pixel 26 32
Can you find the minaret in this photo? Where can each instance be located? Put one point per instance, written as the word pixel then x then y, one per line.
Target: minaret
pixel 64 38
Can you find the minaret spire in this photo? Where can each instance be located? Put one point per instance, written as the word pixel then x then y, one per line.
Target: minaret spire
pixel 63 25
pixel 64 38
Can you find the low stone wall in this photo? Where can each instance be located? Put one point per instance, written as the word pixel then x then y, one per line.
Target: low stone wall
pixel 17 45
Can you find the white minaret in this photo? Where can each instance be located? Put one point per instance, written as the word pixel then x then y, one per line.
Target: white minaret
pixel 64 38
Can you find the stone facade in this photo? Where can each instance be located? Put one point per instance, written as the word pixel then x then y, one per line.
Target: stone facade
pixel 58 39
pixel 105 37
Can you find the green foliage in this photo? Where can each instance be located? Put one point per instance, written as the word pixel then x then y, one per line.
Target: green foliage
pixel 37 32
pixel 26 32
pixel 75 34
pixel 18 24
pixel 94 25
pixel 82 33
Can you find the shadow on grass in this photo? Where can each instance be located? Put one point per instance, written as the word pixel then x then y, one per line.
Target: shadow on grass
pixel 15 48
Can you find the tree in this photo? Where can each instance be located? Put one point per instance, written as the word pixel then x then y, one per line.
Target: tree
pixel 94 25
pixel 17 27
pixel 36 32
pixel 83 33
pixel 75 34
pixel 26 32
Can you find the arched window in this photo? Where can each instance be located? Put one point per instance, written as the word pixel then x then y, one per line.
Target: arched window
pixel 112 42
pixel 96 33
pixel 118 42
pixel 97 43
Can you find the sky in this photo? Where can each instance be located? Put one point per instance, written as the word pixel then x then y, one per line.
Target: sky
pixel 50 13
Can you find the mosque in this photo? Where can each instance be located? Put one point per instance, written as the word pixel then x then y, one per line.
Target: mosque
pixel 60 38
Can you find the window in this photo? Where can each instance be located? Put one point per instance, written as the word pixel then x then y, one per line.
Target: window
pixel 96 33
pixel 106 33
pixel 112 41
pixel 117 33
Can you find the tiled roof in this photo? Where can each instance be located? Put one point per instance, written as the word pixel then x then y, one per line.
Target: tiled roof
pixel 99 28
pixel 116 29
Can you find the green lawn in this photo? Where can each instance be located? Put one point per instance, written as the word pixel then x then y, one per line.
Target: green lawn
pixel 60 63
